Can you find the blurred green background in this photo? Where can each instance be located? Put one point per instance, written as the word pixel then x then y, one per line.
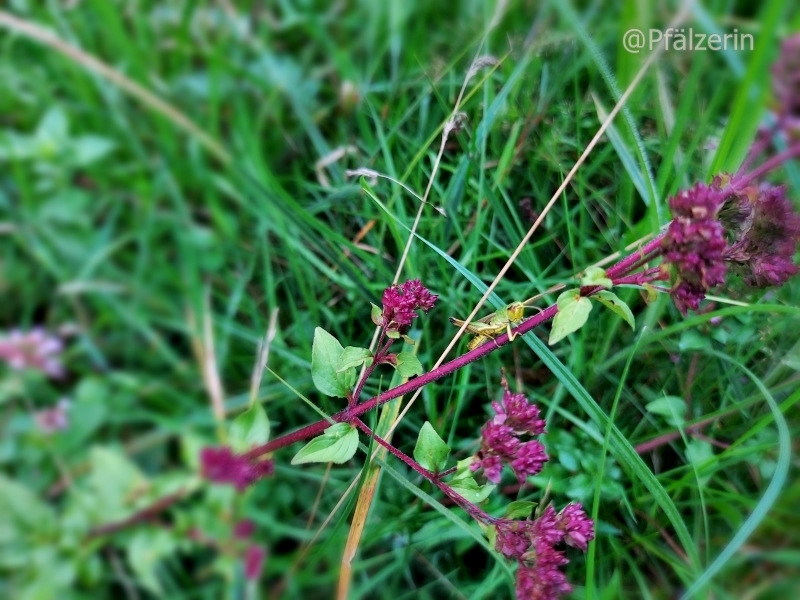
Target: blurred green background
pixel 172 173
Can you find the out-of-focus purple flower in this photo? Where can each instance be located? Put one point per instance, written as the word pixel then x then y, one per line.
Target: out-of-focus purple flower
pixel 578 528
pixel 400 303
pixel 50 420
pixel 35 349
pixel 253 562
pixel 221 465
pixel 534 545
pixel 765 237
pixel 542 581
pixel 786 78
pixel 243 529
pixel 694 244
pixel 501 441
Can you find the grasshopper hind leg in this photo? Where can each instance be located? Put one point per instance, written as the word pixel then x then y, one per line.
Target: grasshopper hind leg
pixel 478 340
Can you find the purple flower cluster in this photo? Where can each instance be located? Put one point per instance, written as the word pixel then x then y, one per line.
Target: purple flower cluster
pixel 253 562
pixel 533 544
pixel 35 349
pixel 221 465
pixel 786 80
pixel 765 236
pixel 501 443
pixel 694 245
pixel 254 555
pixel 400 303
pixel 51 420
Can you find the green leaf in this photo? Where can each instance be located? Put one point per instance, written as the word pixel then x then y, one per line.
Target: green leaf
pixel 21 511
pixel 673 408
pixel 792 358
pixel 573 311
pixel 408 364
pixel 251 428
pixel 337 445
pixel 89 148
pixel 469 489
pixel 596 276
pixel 491 535
pixel 698 453
pixel 463 470
pixel 116 482
pixel 325 355
pixel 519 509
pixel 610 300
pixel 431 451
pixel 376 315
pixel 353 357
pixel 146 549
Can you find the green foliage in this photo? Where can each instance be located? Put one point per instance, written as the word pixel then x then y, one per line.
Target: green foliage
pixel 354 357
pixel 161 263
pixel 431 451
pixel 519 509
pixel 611 301
pixel 337 445
pixel 470 490
pixel 251 428
pixel 326 357
pixel 596 276
pixel 408 364
pixel 573 311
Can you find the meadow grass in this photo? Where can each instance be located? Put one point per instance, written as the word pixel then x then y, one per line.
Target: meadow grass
pixel 166 227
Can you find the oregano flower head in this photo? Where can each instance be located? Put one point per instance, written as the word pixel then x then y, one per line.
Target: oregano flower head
pixel 534 544
pixel 766 234
pixel 51 420
pixel 221 465
pixel 253 562
pixel 400 303
pixel 35 349
pixel 694 245
pixel 501 441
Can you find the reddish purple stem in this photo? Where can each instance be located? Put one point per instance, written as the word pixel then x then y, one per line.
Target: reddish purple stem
pixel 350 413
pixel 620 269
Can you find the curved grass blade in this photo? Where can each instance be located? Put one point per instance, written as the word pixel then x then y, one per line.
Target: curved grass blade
pixel 770 495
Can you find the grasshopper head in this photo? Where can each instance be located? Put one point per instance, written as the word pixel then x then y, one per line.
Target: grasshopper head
pixel 515 311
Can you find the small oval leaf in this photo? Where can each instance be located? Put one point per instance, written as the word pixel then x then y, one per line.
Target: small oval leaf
pixel 573 311
pixel 325 355
pixel 337 445
pixel 596 276
pixel 672 408
pixel 251 428
pixel 408 365
pixel 469 489
pixel 520 509
pixel 353 357
pixel 431 451
pixel 610 300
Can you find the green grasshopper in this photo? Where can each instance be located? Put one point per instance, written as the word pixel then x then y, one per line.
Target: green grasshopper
pixel 492 325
